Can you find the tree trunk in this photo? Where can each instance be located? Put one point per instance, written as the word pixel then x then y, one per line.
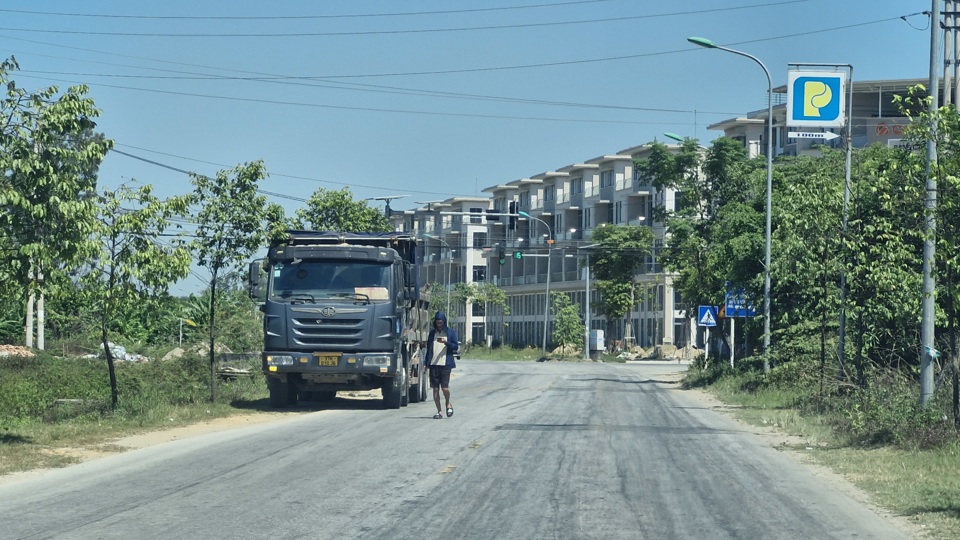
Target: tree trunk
pixel 111 368
pixel 104 320
pixel 213 360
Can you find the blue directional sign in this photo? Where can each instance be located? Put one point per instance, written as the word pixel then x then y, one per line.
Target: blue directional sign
pixel 815 99
pixel 738 303
pixel 707 316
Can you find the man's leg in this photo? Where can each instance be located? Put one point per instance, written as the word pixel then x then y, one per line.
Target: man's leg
pixel 445 386
pixel 436 398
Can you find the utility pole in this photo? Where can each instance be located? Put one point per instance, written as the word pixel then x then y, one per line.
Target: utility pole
pixel 928 350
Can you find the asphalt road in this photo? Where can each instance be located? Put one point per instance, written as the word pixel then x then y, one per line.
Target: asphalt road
pixel 533 451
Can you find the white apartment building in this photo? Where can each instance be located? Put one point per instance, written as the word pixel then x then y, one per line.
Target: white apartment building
pixel 568 203
pixel 564 206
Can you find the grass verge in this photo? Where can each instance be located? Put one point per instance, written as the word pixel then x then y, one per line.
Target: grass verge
pixel 55 412
pixel 919 483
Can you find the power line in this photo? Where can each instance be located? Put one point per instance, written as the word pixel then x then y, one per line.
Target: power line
pixel 299 17
pixel 475 70
pixel 279 195
pixel 372 88
pixel 394 32
pixel 367 109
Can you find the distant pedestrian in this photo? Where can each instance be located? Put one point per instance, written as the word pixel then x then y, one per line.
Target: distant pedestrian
pixel 442 346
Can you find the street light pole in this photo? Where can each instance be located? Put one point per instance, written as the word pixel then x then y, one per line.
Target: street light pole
pixel 704 42
pixel 546 309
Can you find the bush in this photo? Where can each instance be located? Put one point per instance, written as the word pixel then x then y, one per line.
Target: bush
pixel 888 412
pixel 31 387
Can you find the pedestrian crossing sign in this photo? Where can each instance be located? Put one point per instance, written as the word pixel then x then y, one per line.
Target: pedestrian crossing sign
pixel 707 316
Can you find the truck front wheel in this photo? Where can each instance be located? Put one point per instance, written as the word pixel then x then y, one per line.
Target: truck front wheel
pixel 282 393
pixel 395 390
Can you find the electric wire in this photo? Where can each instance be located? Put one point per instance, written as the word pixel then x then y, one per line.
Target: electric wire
pixel 622 18
pixel 300 17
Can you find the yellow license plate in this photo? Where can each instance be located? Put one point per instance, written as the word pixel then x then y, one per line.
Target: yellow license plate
pixel 329 359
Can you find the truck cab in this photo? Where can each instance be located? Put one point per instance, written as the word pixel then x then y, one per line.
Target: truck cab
pixel 343 312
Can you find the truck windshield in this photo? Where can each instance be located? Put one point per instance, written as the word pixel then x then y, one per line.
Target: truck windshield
pixel 309 281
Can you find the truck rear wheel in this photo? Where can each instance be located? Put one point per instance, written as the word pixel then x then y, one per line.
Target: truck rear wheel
pixel 418 393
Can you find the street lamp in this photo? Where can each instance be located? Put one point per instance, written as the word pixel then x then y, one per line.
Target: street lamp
pixel 449 262
pixel 704 42
pixel 546 309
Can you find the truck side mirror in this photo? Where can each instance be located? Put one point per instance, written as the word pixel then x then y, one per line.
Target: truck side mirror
pixel 409 278
pixel 253 278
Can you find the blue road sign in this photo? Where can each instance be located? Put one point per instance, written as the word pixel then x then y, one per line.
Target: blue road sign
pixel 738 304
pixel 707 316
pixel 815 99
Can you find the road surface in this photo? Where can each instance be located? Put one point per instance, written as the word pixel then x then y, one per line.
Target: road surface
pixel 550 450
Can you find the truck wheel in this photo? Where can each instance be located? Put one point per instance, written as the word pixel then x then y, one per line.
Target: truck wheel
pixel 291 394
pixel 425 384
pixel 418 393
pixel 395 390
pixel 279 393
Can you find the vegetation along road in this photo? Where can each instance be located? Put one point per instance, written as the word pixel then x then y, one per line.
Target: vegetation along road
pixel 534 450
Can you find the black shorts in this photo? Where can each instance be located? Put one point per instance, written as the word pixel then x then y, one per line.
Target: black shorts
pixel 440 377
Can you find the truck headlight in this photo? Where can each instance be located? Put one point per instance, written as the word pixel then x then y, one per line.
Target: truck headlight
pixel 378 360
pixel 279 360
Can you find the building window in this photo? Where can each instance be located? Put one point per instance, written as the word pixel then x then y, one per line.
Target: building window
pixel 478 309
pixel 618 212
pixel 479 273
pixel 476 215
pixel 577 186
pixel 479 240
pixel 587 223
pixel 606 178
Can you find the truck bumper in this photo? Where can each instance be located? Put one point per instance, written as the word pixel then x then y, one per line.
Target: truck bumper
pixel 359 370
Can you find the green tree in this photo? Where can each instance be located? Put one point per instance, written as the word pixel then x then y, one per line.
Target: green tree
pixel 568 329
pixel 49 157
pixel 718 198
pixel 336 210
pixel 131 263
pixel 622 251
pixel 233 222
pixel 492 297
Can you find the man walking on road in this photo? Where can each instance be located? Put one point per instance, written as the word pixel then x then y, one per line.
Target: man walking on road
pixel 442 345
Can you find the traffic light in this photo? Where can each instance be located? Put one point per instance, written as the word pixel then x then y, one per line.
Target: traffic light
pixel 502 253
pixel 517 254
pixel 493 211
pixel 512 221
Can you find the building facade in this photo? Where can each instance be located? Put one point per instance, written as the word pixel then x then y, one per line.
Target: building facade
pixel 559 210
pixel 539 252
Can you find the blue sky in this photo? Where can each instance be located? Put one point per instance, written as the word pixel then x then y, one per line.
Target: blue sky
pixel 428 98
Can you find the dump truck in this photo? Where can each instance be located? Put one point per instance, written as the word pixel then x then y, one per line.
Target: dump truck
pixel 343 312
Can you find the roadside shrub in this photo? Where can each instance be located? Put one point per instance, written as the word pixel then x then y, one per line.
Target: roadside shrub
pixel 30 387
pixel 888 412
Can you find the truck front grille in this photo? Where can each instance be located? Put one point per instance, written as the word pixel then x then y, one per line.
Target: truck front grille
pixel 321 332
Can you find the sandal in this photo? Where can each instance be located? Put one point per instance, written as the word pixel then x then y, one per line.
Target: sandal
pixel 437 416
pixel 449 412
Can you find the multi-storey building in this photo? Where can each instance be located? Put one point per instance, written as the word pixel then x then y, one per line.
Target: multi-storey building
pixel 558 211
pixel 567 204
